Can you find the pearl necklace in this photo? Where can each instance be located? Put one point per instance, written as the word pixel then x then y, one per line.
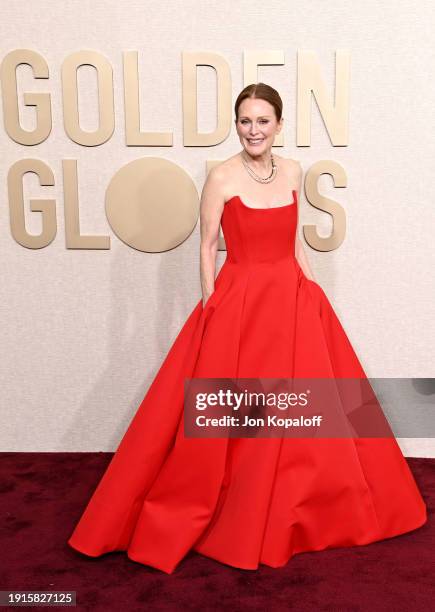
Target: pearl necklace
pixel 260 179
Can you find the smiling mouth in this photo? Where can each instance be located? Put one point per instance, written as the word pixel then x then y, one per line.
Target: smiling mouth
pixel 255 141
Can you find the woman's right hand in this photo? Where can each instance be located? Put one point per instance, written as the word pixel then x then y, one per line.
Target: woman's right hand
pixel 205 299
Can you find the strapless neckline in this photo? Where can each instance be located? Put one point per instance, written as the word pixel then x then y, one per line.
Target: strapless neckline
pixel 237 198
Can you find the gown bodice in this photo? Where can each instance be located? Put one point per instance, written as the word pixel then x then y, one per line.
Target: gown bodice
pixel 259 235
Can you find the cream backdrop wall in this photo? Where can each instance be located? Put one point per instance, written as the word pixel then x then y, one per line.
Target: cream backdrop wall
pixel 84 331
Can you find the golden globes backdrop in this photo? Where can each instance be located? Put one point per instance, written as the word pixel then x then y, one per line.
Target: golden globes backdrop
pixel 110 126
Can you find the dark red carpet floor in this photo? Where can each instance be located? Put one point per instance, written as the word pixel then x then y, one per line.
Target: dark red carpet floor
pixel 42 495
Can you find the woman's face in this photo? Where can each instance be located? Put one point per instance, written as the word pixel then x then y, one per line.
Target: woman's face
pixel 257 126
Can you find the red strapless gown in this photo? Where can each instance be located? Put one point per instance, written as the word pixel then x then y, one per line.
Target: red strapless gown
pixel 246 501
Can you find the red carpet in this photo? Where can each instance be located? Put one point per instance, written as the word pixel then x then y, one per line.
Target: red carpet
pixel 43 495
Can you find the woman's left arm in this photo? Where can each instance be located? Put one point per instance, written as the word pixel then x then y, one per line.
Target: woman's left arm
pixel 300 254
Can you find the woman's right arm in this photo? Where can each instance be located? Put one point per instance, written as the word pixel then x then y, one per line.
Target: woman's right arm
pixel 211 209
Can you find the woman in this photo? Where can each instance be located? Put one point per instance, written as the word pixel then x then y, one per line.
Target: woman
pixel 245 501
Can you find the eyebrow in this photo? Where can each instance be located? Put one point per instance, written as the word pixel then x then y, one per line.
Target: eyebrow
pixel 260 117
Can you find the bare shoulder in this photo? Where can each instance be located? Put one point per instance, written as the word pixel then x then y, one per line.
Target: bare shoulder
pixel 218 181
pixel 292 167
